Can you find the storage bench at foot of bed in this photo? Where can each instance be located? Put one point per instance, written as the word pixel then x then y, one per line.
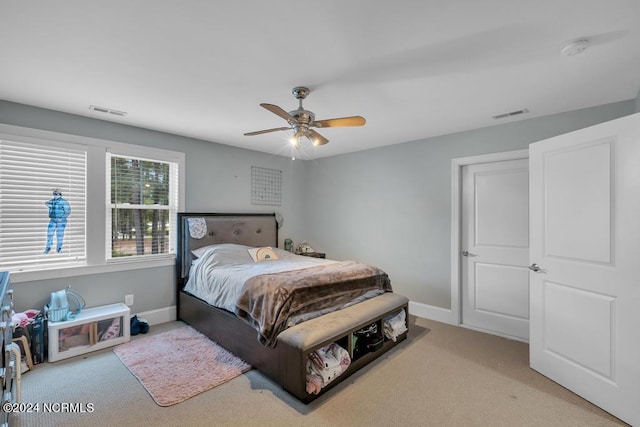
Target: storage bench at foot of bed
pixel 286 363
pixel 296 343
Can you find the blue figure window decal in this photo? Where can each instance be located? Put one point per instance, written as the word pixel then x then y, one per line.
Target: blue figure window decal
pixel 59 210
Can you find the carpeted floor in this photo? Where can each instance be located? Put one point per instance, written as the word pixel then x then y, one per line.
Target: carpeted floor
pixel 441 376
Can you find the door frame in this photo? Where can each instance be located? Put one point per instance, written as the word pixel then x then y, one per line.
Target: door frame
pixel 456 218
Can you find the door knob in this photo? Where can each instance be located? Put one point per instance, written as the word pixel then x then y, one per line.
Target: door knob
pixel 467 253
pixel 535 268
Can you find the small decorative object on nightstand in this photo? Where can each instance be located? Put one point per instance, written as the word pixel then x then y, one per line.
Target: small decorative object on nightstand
pixel 305 249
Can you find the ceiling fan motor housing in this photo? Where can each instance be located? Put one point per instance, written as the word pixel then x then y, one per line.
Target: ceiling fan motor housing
pixel 303 117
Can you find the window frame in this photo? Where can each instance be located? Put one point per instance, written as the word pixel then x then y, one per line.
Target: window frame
pixel 109 205
pixel 97 261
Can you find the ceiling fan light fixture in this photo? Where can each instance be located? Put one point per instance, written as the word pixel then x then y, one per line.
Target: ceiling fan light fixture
pixel 294 141
pixel 310 137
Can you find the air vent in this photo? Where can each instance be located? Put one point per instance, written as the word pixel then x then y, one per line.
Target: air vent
pixel 512 113
pixel 107 111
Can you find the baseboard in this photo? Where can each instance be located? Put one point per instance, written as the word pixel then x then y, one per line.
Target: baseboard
pixel 432 312
pixel 426 311
pixel 160 315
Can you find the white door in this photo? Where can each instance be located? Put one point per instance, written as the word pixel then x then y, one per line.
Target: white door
pixel 585 242
pixel 495 247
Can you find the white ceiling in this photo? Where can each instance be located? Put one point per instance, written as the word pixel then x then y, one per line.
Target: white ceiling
pixel 413 68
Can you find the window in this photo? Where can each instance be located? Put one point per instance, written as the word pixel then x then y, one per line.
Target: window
pixel 42 205
pixel 114 207
pixel 142 206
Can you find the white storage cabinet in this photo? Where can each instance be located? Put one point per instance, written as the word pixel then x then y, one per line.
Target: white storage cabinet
pixel 93 329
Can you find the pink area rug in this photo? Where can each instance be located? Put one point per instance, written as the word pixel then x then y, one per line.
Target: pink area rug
pixel 178 364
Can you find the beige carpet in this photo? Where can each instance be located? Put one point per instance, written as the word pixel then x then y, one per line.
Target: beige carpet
pixel 441 376
pixel 176 365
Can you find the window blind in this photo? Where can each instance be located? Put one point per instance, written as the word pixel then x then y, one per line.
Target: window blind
pixel 29 176
pixel 142 200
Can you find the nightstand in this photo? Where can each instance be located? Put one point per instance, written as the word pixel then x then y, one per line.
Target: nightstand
pixel 313 254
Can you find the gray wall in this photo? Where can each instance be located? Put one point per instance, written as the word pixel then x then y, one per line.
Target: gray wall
pixel 388 206
pixel 391 206
pixel 218 179
pixel 638 102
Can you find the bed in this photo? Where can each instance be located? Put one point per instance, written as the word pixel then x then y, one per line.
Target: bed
pixel 281 349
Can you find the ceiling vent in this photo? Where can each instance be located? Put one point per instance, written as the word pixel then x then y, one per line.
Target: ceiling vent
pixel 107 111
pixel 511 114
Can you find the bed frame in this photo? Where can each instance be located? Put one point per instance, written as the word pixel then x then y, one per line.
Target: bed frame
pixel 286 362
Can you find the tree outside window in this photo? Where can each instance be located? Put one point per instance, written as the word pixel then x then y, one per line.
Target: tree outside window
pixel 143 202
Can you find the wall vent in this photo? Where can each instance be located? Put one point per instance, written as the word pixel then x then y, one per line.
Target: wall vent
pixel 107 111
pixel 510 114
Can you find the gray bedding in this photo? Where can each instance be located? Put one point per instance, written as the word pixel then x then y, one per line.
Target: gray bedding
pixel 220 271
pixel 273 295
pixel 269 300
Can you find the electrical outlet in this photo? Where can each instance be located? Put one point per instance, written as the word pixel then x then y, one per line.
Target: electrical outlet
pixel 128 299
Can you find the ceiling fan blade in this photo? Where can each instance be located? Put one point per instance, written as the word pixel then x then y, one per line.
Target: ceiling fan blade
pixel 316 138
pixel 340 122
pixel 265 131
pixel 280 112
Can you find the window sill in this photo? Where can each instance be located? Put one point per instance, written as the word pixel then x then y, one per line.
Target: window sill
pixel 111 267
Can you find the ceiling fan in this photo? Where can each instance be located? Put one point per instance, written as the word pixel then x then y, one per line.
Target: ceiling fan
pixel 302 121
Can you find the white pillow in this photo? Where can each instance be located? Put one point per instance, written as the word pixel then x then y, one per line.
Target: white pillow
pixel 224 254
pixel 200 251
pixel 262 254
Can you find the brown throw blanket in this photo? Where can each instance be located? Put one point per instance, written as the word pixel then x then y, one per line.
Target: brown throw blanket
pixel 268 300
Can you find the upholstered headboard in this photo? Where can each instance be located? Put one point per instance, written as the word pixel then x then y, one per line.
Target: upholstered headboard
pixel 252 229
